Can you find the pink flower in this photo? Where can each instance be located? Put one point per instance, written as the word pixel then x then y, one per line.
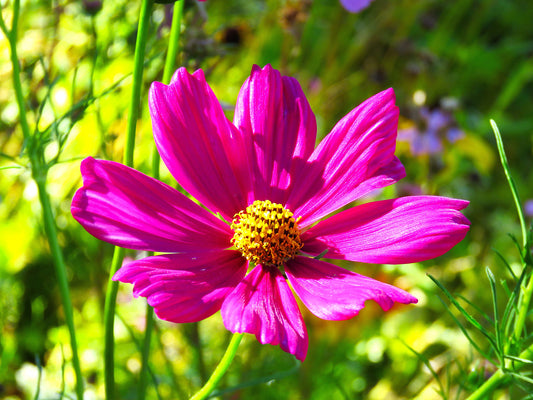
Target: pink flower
pixel 268 190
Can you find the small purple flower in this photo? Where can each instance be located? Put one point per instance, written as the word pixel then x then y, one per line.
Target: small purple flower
pixel 355 6
pixel 528 208
pixel 426 137
pixel 268 190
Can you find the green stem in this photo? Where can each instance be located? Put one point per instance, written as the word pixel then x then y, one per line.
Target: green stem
pixel 523 309
pixel 493 383
pixel 498 380
pixel 173 45
pixel 109 324
pixel 143 378
pixel 140 46
pixel 12 37
pixel 57 255
pixel 169 67
pixel 39 174
pixel 221 369
pixel 118 256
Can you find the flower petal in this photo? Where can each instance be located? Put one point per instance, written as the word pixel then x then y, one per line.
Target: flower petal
pixel 185 287
pixel 333 293
pixel 200 147
pixel 397 231
pixel 354 159
pixel 122 206
pixel 273 111
pixel 263 305
pixel 355 5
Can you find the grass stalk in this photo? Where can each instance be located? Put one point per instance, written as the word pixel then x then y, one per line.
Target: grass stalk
pixel 118 256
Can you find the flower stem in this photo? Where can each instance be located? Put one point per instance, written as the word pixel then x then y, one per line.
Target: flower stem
pixel 143 378
pixel 484 391
pixel 221 368
pixel 169 67
pixel 39 174
pixel 173 45
pixel 109 325
pixel 499 379
pixel 140 46
pixel 118 256
pixel 57 255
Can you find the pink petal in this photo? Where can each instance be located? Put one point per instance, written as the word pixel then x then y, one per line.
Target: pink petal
pixel 354 159
pixel 124 207
pixel 273 111
pixel 185 287
pixel 201 148
pixel 355 5
pixel 397 231
pixel 333 293
pixel 263 305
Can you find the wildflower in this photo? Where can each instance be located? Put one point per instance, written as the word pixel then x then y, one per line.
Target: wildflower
pixel 432 128
pixel 355 5
pixel 528 208
pixel 271 190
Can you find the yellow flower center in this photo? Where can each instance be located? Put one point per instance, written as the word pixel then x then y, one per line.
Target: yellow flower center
pixel 266 233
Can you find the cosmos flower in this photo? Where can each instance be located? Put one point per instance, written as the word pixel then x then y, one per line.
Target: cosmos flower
pixel 266 192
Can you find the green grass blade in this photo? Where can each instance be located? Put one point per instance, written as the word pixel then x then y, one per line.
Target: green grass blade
pixel 467 335
pixel 514 191
pixel 426 362
pixel 497 326
pixel 465 314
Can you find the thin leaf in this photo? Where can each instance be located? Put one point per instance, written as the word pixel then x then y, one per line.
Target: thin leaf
pixel 512 304
pixel 522 360
pixel 514 191
pixel 517 244
pixel 507 265
pixel 475 307
pixel 465 314
pixel 499 346
pixel 426 362
pixel 10 167
pixel 521 377
pixel 465 332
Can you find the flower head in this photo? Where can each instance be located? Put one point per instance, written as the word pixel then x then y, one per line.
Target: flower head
pixel 355 6
pixel 271 190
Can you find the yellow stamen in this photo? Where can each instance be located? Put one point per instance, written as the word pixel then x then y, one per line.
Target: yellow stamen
pixel 266 233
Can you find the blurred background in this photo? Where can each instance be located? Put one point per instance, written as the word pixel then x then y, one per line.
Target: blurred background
pixel 453 65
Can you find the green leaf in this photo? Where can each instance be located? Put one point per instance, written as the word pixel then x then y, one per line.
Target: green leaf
pixel 499 345
pixel 426 362
pixel 465 314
